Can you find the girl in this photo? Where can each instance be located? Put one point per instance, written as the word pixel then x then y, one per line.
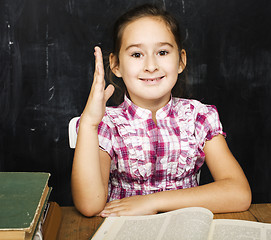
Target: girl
pixel 143 156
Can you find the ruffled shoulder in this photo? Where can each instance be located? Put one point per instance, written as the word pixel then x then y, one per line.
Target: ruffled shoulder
pixel 199 122
pixel 205 118
pixel 207 122
pixel 184 111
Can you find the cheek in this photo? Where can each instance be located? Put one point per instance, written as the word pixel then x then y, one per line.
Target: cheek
pixel 171 64
pixel 171 68
pixel 130 69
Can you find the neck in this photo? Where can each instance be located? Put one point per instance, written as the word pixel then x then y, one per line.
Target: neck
pixel 152 105
pixel 154 118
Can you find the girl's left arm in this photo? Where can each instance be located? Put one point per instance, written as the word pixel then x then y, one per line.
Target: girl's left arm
pixel 230 191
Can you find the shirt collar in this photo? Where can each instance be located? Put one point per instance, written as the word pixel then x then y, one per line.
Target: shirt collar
pixel 137 112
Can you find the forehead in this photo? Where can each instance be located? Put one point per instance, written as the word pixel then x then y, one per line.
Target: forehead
pixel 147 30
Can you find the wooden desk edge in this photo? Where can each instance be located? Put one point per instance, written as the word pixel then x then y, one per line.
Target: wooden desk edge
pixel 76 226
pixel 262 212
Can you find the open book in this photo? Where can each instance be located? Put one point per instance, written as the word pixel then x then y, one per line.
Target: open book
pixel 193 223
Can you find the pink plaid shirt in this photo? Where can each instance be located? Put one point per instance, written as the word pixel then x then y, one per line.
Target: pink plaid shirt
pixel 148 158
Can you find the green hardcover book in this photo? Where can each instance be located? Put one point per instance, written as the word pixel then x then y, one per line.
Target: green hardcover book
pixel 23 196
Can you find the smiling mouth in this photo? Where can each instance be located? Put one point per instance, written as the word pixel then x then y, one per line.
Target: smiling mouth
pixel 151 79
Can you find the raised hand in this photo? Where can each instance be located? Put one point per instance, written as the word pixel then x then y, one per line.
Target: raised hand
pixel 95 107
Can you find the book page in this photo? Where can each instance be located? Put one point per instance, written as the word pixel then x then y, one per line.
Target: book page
pixel 188 223
pixel 228 229
pixel 140 227
pixel 103 229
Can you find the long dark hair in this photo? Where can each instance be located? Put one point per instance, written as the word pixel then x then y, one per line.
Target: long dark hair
pixel 146 10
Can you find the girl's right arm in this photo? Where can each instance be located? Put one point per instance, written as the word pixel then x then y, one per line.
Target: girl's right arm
pixel 90 170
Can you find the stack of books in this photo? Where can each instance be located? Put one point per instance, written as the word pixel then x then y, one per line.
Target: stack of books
pixel 23 199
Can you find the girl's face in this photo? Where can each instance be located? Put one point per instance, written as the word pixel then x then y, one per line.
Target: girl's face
pixel 149 61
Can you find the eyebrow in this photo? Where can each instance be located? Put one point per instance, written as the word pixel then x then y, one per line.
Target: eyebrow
pixel 159 44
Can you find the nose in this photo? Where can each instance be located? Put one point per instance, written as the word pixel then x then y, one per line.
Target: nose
pixel 150 64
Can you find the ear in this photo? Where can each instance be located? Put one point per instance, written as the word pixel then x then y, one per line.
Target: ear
pixel 114 65
pixel 183 59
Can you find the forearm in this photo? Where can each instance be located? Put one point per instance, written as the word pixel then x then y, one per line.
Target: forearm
pixel 88 189
pixel 225 195
pixel 90 171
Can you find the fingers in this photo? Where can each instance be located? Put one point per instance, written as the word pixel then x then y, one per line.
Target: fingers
pixel 134 205
pixel 98 96
pixel 99 66
pixel 98 80
pixel 113 208
pixel 98 84
pixel 113 212
pixel 122 207
pixel 113 204
pixel 99 73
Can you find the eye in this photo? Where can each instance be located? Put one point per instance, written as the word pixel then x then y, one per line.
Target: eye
pixel 162 53
pixel 136 55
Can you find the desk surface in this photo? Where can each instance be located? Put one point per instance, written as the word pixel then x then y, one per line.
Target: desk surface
pixel 76 226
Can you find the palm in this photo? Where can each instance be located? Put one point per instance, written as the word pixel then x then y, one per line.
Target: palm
pixel 95 107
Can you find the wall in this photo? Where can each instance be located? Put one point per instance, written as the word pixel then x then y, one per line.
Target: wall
pixel 46 68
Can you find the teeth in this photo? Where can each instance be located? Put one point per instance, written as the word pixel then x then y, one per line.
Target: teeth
pixel 151 80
